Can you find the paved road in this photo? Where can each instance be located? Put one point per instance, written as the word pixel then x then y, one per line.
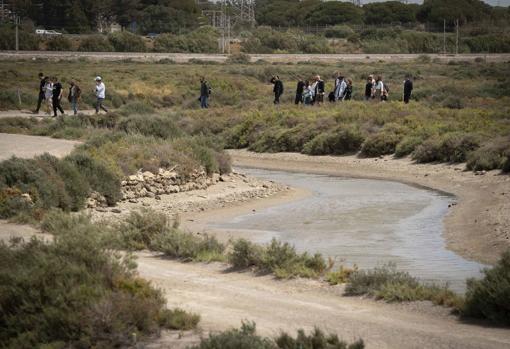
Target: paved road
pixel 186 57
pixel 29 146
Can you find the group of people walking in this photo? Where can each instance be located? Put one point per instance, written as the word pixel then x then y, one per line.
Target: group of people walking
pixel 51 92
pixel 312 92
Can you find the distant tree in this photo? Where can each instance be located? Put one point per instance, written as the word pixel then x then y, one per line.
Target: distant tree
pixel 466 11
pixel 335 12
pixel 286 13
pixel 390 12
pixel 169 16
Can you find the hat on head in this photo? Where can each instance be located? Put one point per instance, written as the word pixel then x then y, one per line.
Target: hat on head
pixel 98 78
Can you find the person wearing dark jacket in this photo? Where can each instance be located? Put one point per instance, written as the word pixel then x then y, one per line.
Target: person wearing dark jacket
pixel 319 90
pixel 408 89
pixel 205 92
pixel 299 91
pixel 369 88
pixel 42 82
pixel 277 89
pixel 57 96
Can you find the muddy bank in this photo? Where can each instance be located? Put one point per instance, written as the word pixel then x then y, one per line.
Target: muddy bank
pixel 477 228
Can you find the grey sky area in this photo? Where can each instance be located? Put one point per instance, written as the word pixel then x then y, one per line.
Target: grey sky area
pixel 491 2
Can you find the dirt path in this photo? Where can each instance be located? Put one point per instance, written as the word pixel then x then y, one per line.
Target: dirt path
pixel 271 58
pixel 29 146
pixel 24 113
pixel 225 298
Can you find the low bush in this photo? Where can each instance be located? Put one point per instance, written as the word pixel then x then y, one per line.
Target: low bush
pixel 85 295
pixel 246 337
pixel 154 125
pixel 338 142
pixel 490 297
pixel 127 42
pixel 278 258
pixel 391 285
pixel 139 108
pixel 490 156
pixel 95 43
pixel 451 147
pixel 339 31
pixel 407 145
pixel 340 276
pixel 190 247
pixel 239 58
pixel 380 143
pixel 178 319
pixel 59 43
pixel 143 229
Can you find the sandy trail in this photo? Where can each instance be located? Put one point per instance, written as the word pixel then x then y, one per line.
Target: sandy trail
pixel 271 58
pixel 225 298
pixel 29 146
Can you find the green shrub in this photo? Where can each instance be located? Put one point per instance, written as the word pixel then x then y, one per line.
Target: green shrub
pixel 137 107
pixel 407 145
pixel 490 156
pixel 380 143
pixel 143 229
pixel 490 297
pixel 95 43
pixel 189 247
pixel 245 254
pixel 126 42
pixel 453 103
pixel 338 142
pixel 451 147
pixel 27 41
pixel 247 338
pixel 239 58
pixel 178 319
pixel 278 258
pixel 341 275
pixel 154 125
pixel 85 295
pixel 59 43
pixel 339 31
pixel 391 285
pixel 99 176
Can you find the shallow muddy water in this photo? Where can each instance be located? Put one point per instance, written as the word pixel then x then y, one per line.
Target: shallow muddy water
pixel 360 221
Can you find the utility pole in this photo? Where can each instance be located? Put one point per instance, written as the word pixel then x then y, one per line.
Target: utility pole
pixel 444 36
pixel 457 39
pixel 17 20
pixel 3 10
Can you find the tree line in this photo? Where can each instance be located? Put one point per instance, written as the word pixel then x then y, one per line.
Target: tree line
pixel 176 16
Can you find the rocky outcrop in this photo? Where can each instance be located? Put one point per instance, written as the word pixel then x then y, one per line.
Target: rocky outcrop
pixel 166 181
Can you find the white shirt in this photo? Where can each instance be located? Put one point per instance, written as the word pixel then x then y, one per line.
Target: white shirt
pixel 48 90
pixel 340 89
pixel 100 90
pixel 380 86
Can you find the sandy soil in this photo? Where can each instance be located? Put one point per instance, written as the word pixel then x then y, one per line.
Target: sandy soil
pixel 282 58
pixel 29 146
pixel 24 113
pixel 225 298
pixel 478 227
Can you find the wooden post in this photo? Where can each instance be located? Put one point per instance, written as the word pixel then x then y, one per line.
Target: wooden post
pixel 457 39
pixel 444 36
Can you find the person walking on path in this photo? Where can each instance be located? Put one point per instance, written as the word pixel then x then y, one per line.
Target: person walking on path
pixel 74 96
pixel 340 86
pixel 348 91
pixel 299 91
pixel 380 94
pixel 205 92
pixel 48 95
pixel 308 94
pixel 369 88
pixel 319 90
pixel 57 96
pixel 41 98
pixel 277 89
pixel 408 89
pixel 100 95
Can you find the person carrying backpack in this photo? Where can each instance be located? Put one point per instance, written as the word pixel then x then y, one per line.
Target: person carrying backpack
pixel 308 94
pixel 205 92
pixel 300 88
pixel 340 86
pixel 74 96
pixel 319 90
pixel 348 91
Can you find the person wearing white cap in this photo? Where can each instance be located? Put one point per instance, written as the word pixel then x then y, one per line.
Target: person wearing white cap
pixel 100 94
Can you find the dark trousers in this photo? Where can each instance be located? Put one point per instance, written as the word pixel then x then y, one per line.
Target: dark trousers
pixel 39 101
pixel 277 98
pixel 407 97
pixel 99 105
pixel 56 105
pixel 299 98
